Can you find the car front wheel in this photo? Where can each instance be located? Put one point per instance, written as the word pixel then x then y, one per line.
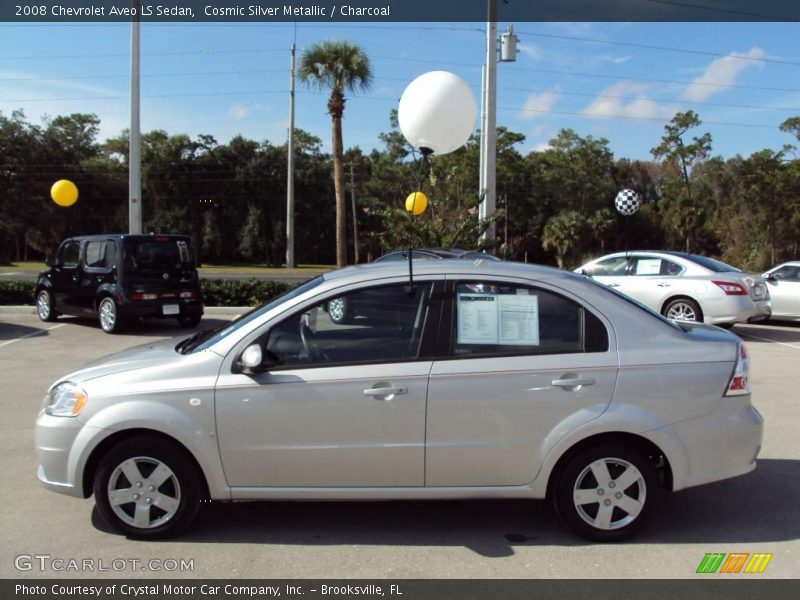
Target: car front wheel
pixel 44 306
pixel 147 488
pixel 604 493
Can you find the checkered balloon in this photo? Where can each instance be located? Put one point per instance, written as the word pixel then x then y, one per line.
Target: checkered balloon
pixel 627 202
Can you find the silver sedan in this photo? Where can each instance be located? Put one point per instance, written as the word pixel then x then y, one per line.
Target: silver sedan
pixel 684 287
pixel 784 289
pixel 485 379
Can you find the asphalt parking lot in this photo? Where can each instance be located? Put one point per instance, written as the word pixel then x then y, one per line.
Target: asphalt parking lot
pixel 759 512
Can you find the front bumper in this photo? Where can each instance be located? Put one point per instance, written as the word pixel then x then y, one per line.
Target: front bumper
pixel 55 448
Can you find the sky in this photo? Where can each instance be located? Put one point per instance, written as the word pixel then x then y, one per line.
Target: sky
pixel 227 79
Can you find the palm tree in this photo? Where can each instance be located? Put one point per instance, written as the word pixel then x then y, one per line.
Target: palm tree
pixel 339 66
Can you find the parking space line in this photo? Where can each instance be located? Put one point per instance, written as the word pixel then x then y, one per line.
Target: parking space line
pixel 764 339
pixel 35 333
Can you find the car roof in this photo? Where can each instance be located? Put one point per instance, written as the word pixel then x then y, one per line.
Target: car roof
pixel 474 268
pixel 126 236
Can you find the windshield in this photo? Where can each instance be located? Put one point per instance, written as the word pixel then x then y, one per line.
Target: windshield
pixel 203 340
pixel 635 303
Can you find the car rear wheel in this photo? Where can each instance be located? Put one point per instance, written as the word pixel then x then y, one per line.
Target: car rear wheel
pixel 108 315
pixel 147 488
pixel 338 311
pixel 604 493
pixel 44 306
pixel 683 309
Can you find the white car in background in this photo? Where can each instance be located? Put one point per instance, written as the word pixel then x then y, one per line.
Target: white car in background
pixel 783 283
pixel 685 287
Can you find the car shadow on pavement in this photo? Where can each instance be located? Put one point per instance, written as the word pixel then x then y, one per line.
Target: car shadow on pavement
pixel 148 327
pixel 759 507
pixel 789 333
pixel 11 331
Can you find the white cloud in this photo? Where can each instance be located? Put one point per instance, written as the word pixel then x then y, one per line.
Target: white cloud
pixel 241 111
pixel 541 147
pixel 627 99
pixel 721 72
pixel 538 104
pixel 531 51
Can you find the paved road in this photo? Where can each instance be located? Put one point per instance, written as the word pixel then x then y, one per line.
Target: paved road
pixel 759 512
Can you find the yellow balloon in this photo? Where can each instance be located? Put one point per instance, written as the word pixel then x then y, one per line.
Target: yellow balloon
pixel 64 192
pixel 416 203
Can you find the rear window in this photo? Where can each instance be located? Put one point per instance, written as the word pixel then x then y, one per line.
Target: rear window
pixel 161 254
pixel 716 266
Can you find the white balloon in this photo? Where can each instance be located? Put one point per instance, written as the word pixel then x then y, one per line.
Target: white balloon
pixel 437 111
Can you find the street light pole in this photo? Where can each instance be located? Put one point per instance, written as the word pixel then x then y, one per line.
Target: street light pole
pixel 489 126
pixel 355 214
pixel 134 153
pixel 290 167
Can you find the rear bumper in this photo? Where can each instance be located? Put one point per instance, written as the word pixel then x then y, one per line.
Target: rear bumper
pixel 736 309
pixel 155 308
pixel 720 445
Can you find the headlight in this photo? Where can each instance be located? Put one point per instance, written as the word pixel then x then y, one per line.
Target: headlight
pixel 65 400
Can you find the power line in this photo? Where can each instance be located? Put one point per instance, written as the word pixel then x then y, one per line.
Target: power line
pixel 188 94
pixel 720 10
pixel 127 54
pixel 576 38
pixel 178 74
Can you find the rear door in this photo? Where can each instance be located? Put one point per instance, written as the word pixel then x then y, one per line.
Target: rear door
pixel 651 280
pixel 527 364
pixel 97 262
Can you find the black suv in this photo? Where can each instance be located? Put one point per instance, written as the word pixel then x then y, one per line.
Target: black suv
pixel 121 277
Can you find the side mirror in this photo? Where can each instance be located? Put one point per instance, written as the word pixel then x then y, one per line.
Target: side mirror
pixel 771 277
pixel 585 273
pixel 48 260
pixel 255 359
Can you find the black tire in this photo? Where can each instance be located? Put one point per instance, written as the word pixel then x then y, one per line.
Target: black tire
pixel 189 320
pixel 726 325
pixel 183 488
pixel 683 309
pixel 339 311
pixel 585 518
pixel 108 315
pixel 45 307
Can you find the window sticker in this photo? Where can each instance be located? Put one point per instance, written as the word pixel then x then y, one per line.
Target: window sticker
pixel 648 266
pixel 501 319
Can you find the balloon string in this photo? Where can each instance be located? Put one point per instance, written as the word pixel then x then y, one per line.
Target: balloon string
pixel 423 163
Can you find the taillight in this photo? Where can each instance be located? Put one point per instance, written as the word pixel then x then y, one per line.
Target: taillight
pixel 191 294
pixel 731 289
pixel 739 383
pixel 144 296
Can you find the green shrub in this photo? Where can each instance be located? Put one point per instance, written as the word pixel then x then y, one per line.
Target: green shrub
pixel 218 292
pixel 17 292
pixel 241 292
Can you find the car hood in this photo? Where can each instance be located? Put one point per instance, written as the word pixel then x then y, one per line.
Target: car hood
pixel 138 357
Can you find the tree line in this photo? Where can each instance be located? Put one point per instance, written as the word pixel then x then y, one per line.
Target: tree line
pixel 555 206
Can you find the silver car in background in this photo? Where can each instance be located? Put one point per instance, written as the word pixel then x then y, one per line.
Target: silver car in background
pixel 784 288
pixel 487 379
pixel 684 287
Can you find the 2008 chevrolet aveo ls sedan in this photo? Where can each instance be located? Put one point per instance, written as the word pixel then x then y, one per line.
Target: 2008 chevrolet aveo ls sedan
pixel 486 379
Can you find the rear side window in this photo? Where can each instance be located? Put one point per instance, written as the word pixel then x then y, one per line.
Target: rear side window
pixel 494 318
pixel 100 254
pixel 653 265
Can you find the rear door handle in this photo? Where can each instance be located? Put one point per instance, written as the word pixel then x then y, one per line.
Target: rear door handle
pixel 575 382
pixel 387 391
pixel 663 284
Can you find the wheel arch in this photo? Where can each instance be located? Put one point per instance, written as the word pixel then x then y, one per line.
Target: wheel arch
pixel 97 454
pixel 648 448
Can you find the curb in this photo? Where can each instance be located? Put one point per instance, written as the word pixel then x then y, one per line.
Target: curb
pixel 209 310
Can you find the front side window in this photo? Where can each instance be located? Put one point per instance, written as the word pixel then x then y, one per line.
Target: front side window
pixel 787 273
pixel 68 255
pixel 609 267
pixel 383 324
pixel 494 318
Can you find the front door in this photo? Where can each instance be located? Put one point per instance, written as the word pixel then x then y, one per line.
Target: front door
pixel 66 277
pixel 343 404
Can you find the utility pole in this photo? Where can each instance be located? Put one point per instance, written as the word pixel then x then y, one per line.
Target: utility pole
pixel 489 125
pixel 355 217
pixel 134 151
pixel 488 150
pixel 290 165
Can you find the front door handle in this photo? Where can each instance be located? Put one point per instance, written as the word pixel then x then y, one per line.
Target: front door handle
pixel 573 383
pixel 613 285
pixel 385 391
pixel 663 284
